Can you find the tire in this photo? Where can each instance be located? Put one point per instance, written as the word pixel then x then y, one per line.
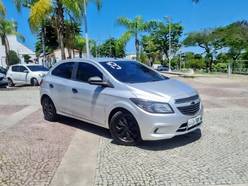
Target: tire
pixel 49 109
pixel 124 129
pixel 34 82
pixel 10 83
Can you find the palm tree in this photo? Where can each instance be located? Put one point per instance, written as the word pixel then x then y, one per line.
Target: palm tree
pixel 2 9
pixel 8 28
pixel 42 9
pixel 135 27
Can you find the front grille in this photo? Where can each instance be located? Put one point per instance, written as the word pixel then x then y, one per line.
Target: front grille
pixel 190 110
pixel 185 100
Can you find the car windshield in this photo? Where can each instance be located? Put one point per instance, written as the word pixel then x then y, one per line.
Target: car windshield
pixel 36 68
pixel 132 72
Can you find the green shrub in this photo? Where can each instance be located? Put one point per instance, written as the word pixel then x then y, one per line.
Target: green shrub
pixel 220 67
pixel 13 58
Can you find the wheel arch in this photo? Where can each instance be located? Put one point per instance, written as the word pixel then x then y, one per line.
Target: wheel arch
pixel 117 109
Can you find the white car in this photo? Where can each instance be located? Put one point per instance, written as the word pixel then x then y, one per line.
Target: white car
pixel 134 101
pixel 30 74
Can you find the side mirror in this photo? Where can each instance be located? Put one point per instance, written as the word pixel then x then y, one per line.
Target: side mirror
pixel 26 71
pixel 98 81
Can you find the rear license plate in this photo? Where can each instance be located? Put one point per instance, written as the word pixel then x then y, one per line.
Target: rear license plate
pixel 194 121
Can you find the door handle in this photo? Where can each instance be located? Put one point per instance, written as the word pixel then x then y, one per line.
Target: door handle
pixel 51 85
pixel 74 91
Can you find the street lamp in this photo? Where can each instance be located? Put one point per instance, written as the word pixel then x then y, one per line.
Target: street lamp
pixel 86 31
pixel 168 18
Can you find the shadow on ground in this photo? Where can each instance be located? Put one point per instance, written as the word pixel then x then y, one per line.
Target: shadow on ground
pixel 172 143
pixel 100 131
pixel 175 142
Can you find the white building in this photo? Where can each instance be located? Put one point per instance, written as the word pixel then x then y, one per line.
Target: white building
pixel 16 46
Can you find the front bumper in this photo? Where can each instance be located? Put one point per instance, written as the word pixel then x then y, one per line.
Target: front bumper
pixel 165 126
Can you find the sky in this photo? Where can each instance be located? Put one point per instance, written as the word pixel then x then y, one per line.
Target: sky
pixel 102 24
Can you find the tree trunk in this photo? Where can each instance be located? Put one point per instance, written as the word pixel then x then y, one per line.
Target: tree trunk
pixel 69 53
pixel 43 45
pixel 7 49
pixel 137 46
pixel 60 27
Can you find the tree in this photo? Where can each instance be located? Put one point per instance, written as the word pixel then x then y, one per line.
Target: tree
pixel 8 28
pixel 79 44
pixel 27 58
pixel 13 58
pixel 114 47
pixel 208 41
pixel 150 48
pixel 42 9
pixel 161 35
pixel 135 27
pixel 234 37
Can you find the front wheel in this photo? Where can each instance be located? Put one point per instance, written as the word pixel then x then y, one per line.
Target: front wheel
pixel 124 128
pixel 49 109
pixel 34 82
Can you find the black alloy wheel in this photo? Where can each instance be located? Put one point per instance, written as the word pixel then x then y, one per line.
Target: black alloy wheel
pixel 124 128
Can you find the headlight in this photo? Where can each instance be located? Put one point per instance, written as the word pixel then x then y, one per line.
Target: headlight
pixel 42 75
pixel 153 107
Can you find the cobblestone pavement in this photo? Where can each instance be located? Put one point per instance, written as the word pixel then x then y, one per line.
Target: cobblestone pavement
pixel 216 156
pixel 31 149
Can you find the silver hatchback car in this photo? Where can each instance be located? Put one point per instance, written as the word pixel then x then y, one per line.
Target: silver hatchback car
pixel 132 100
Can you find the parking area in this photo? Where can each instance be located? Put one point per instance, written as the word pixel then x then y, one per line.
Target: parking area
pixel 69 152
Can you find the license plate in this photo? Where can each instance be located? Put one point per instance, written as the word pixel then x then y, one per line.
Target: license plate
pixel 194 121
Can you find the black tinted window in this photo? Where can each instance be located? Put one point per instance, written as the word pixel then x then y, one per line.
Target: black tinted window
pixel 132 72
pixel 22 69
pixel 86 71
pixel 64 70
pixel 15 68
pixel 36 68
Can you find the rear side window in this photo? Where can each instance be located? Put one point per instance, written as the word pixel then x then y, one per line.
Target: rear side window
pixel 15 68
pixel 86 71
pixel 64 70
pixel 22 69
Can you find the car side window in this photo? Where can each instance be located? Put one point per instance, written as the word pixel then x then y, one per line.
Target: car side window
pixel 22 68
pixel 64 70
pixel 15 69
pixel 86 71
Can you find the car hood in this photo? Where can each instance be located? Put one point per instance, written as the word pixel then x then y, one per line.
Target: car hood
pixel 166 90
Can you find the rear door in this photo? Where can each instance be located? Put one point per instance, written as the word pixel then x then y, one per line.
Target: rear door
pixel 14 72
pixel 60 86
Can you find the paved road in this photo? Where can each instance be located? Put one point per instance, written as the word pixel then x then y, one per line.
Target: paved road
pixel 36 152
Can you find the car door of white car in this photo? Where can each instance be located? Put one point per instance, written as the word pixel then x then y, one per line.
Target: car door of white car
pixel 87 101
pixel 13 73
pixel 60 87
pixel 23 74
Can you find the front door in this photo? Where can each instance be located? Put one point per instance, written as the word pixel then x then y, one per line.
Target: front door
pixel 88 100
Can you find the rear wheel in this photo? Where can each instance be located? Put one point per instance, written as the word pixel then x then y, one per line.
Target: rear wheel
pixel 10 83
pixel 124 128
pixel 49 109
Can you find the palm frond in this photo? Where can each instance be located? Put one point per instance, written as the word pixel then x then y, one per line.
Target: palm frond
pixel 2 9
pixel 38 13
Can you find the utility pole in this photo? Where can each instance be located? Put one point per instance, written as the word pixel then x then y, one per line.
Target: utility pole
pixel 168 18
pixel 86 30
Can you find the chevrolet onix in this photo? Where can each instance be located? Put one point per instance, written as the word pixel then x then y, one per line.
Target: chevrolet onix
pixel 132 100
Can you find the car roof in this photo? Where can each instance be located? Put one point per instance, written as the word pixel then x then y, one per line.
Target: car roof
pixel 96 60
